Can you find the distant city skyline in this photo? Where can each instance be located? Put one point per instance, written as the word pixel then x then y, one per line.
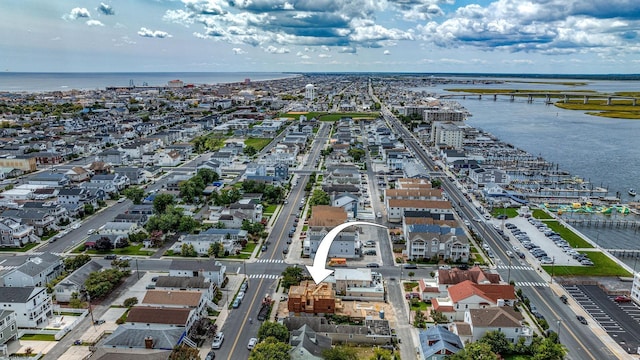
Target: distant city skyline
pixel 501 36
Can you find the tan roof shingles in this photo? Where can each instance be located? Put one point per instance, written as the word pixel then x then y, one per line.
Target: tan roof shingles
pixel 498 317
pixel 163 297
pixel 328 216
pixel 419 204
pixel 158 315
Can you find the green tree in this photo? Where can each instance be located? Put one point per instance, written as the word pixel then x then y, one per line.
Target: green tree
pixel 249 150
pixel 381 354
pixel 184 352
pixel 135 194
pixel 216 249
pixel 548 349
pixel 438 317
pixel 129 302
pixel 71 264
pixel 319 197
pixel 208 175
pixel 419 320
pixel 89 209
pixel 340 352
pixel 475 351
pixel 161 202
pixel 356 154
pixel 497 341
pixel 100 283
pixel 292 275
pixel 269 349
pixel 275 330
pixel 188 250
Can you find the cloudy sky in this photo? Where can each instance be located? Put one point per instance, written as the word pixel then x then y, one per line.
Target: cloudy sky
pixel 508 36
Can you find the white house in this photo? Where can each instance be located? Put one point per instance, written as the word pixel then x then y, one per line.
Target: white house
pixel 31 304
pixel 209 269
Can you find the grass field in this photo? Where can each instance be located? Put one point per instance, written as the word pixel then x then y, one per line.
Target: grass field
pixel 603 266
pixel 619 109
pixel 39 337
pixel 270 209
pixel 257 143
pixel 129 250
pixel 25 248
pixel 572 238
pixel 541 214
pixel 510 212
pixel 507 91
pixel 409 285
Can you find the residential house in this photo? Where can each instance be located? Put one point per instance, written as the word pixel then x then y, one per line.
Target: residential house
pixel 397 207
pixel 117 240
pixel 197 283
pixel 312 298
pixel 119 228
pixel 78 174
pixel 281 171
pixel 15 234
pixel 142 209
pixel 306 344
pixel 251 211
pixel 25 163
pixel 139 219
pixel 211 165
pixel 32 305
pixel 359 284
pixel 50 179
pixel 75 199
pixel 168 158
pixel 438 343
pixel 8 328
pixel 135 175
pixel 468 295
pixel 36 271
pixel 370 332
pixel 484 175
pixel 504 319
pixel 74 283
pixel 323 219
pixel 40 220
pixel 113 157
pixel 211 270
pixel 100 167
pixel 437 242
pixel 117 181
pixel 444 278
pixel 52 208
pixel 151 328
pixel 229 238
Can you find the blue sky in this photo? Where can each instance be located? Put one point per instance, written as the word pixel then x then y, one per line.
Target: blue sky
pixel 508 36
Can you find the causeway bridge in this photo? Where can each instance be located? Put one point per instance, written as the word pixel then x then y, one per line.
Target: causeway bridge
pixel 563 96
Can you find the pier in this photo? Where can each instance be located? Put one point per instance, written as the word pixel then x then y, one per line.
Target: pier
pixel 547 96
pixel 604 223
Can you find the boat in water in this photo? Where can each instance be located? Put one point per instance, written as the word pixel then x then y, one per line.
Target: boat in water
pixel 632 192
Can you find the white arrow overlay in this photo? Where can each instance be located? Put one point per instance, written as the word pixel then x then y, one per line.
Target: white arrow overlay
pixel 318 271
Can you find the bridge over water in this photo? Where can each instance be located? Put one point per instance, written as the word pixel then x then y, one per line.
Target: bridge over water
pixel 564 96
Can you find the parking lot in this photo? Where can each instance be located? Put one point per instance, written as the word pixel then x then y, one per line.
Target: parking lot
pixel 526 233
pixel 619 320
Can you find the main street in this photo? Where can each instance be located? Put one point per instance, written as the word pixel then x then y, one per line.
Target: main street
pixel 580 342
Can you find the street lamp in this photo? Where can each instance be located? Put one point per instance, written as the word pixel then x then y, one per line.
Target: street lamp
pixel 558 321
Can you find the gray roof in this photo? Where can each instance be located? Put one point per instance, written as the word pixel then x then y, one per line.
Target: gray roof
pixel 196 282
pixel 129 335
pixel 79 276
pixel 130 354
pixel 16 294
pixel 440 338
pixel 37 264
pixel 308 339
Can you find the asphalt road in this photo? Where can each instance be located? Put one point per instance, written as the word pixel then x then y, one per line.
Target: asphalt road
pixel 580 342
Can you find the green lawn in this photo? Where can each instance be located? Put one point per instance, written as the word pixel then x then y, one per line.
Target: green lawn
pixel 39 337
pixel 419 305
pixel 574 239
pixel 257 143
pixel 541 214
pixel 510 212
pixel 603 266
pixel 129 250
pixel 25 248
pixel 270 209
pixel 409 285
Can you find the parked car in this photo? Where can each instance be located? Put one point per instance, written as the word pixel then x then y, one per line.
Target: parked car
pixel 110 257
pixel 252 343
pixel 622 299
pixel 217 340
pixel 410 266
pixel 236 303
pixel 210 355
pixel 244 286
pixel 582 319
pixel 373 265
pixel 99 322
pixel 564 299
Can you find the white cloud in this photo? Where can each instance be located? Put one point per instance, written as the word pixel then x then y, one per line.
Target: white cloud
pixel 238 51
pixel 324 56
pixel 94 23
pixel 105 9
pixel 77 13
pixel 144 32
pixel 387 52
pixel 275 50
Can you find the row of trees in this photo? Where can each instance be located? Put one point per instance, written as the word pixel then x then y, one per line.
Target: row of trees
pixel 270 193
pixel 101 283
pixel 192 189
pixel 494 345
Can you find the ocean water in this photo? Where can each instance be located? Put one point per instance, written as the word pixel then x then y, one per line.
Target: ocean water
pixel 42 82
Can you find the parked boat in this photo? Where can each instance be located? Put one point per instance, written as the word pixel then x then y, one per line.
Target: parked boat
pixel 632 192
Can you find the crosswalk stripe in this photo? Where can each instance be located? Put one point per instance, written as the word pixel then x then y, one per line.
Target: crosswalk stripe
pixel 264 276
pixel 273 261
pixel 532 284
pixel 514 267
